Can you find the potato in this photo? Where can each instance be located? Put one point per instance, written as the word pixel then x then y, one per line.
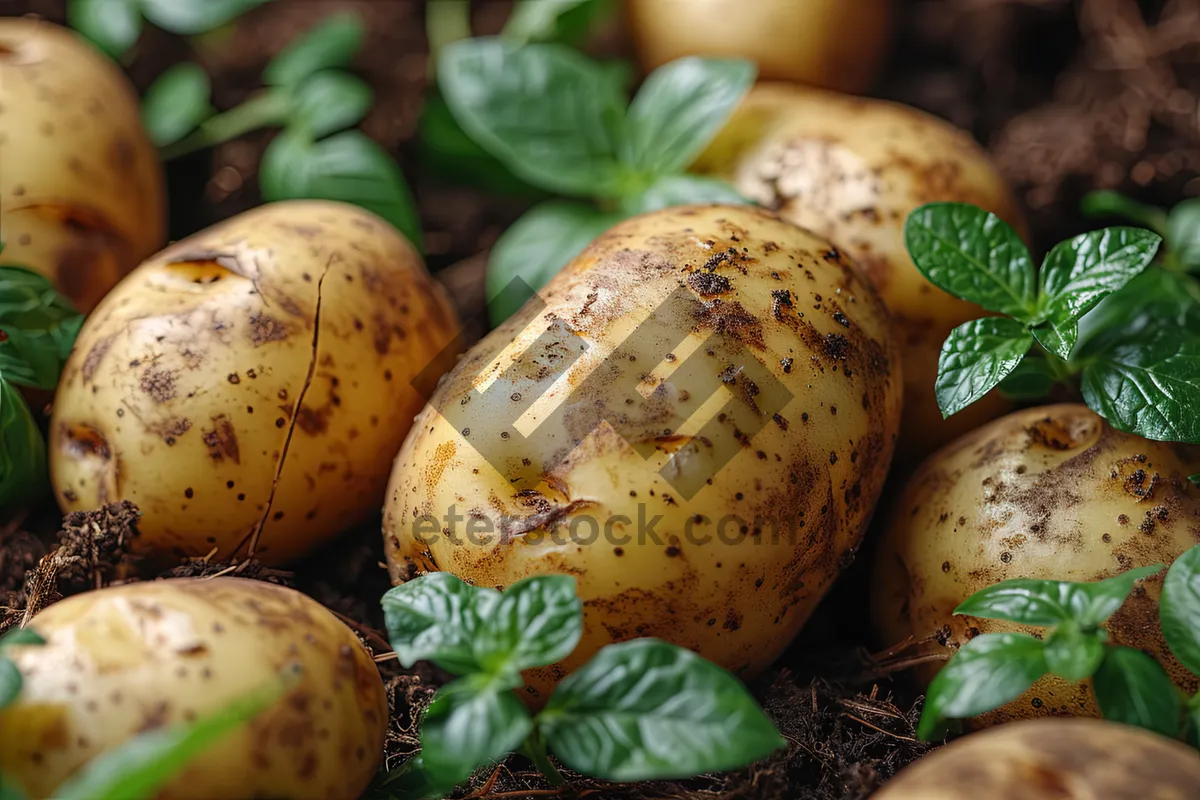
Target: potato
pixel 1052 759
pixel 852 170
pixel 1052 493
pixel 133 658
pixel 813 42
pixel 251 382
pixel 82 194
pixel 725 452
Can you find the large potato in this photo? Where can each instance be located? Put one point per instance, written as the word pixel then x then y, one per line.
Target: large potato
pixel 852 170
pixel 128 659
pixel 1052 759
pixel 1051 493
pixel 815 42
pixel 251 382
pixel 761 331
pixel 82 196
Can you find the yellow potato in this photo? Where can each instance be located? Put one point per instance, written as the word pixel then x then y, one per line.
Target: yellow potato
pixel 677 338
pixel 852 169
pixel 252 382
pixel 1052 493
pixel 82 195
pixel 814 42
pixel 1052 759
pixel 133 658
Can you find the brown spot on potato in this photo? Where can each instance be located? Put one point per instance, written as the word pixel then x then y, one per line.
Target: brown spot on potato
pixel 159 383
pixel 265 328
pixel 221 440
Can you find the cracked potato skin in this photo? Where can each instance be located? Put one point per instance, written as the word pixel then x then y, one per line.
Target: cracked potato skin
pixel 814 42
pixel 132 658
pixel 257 374
pixel 777 297
pixel 1052 759
pixel 82 192
pixel 852 169
pixel 1052 493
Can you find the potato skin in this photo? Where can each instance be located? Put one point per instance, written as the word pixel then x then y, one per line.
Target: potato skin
pixel 784 298
pixel 82 193
pixel 255 374
pixel 1052 493
pixel 126 659
pixel 1051 759
pixel 852 169
pixel 814 42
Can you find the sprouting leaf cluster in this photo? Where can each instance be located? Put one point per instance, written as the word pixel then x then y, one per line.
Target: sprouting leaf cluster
pixel 114 25
pixel 1089 315
pixel 139 768
pixel 562 123
pixel 638 710
pixel 38 327
pixel 1129 685
pixel 310 94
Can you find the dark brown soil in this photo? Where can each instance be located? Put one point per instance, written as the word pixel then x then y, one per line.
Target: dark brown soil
pixel 1067 95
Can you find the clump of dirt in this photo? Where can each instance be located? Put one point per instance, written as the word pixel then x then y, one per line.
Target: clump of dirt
pixel 93 551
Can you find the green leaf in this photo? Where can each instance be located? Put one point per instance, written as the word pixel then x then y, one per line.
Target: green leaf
pixel 348 167
pixel 975 357
pixel 1195 478
pixel 437 617
pixel 10 681
pixel 1080 272
pixel 111 25
pixel 1149 385
pixel 1032 379
pixel 536 247
pixel 331 44
pixel 330 101
pixel 552 20
pixel 986 672
pixel 1107 203
pixel 1072 654
pixel 143 765
pixel 1044 603
pixel 23 476
pixel 1183 232
pixel 679 109
pixel 973 255
pixel 550 114
pixel 681 190
pixel 21 636
pixel 1132 688
pixel 470 722
pixel 10 790
pixel 188 17
pixel 176 103
pixel 537 622
pixel 1156 298
pixel 645 709
pixel 38 327
pixel 1179 608
pixel 448 152
pixel 1193 720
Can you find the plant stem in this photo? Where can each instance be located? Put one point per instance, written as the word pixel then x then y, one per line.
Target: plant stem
pixel 446 21
pixel 534 749
pixel 265 109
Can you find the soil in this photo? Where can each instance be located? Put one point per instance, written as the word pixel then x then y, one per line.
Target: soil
pixel 1067 96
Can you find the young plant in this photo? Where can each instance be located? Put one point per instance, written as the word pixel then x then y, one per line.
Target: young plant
pixel 1136 357
pixel 561 122
pixel 310 95
pixel 38 327
pixel 1130 686
pixel 114 25
pixel 639 710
